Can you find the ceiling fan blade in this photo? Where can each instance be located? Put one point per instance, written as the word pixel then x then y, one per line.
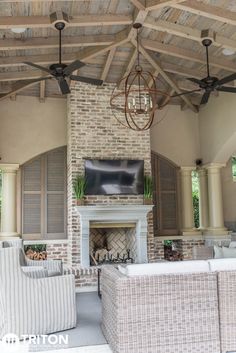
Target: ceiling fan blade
pixel 194 80
pixel 20 85
pixel 92 81
pixel 37 66
pixel 226 79
pixel 205 97
pixel 65 89
pixel 183 93
pixel 227 89
pixel 75 65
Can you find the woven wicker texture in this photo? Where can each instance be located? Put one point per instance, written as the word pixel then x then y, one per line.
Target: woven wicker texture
pixel 160 314
pixel 227 308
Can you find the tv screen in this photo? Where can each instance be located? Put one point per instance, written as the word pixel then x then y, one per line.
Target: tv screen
pixel 111 177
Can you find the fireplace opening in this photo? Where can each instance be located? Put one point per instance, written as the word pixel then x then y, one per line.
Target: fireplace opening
pixel 112 245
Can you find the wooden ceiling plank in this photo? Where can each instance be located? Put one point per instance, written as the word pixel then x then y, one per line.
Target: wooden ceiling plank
pixel 8 22
pixel 52 42
pixel 158 4
pixel 166 77
pixel 209 11
pixel 187 55
pixel 187 32
pixel 42 91
pixel 85 55
pixel 108 64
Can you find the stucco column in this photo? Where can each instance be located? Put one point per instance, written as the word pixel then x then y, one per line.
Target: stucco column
pixel 188 227
pixel 216 216
pixel 8 212
pixel 203 199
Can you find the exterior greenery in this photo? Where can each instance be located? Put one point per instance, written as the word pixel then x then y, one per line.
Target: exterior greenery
pixel 148 187
pixel 233 160
pixel 195 195
pixel 79 187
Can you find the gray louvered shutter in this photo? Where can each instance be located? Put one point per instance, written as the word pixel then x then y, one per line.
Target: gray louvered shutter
pixel 31 198
pixel 55 193
pixel 165 196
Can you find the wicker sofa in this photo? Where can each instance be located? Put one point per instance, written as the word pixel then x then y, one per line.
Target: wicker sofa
pixel 172 312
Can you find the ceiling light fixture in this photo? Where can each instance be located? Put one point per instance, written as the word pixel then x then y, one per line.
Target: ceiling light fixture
pixel 135 99
pixel 228 51
pixel 18 30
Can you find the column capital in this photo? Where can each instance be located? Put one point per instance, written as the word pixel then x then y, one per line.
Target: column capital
pixel 11 167
pixel 214 166
pixel 187 170
pixel 202 172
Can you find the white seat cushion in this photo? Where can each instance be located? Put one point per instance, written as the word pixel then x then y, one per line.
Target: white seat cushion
pixel 162 268
pixel 222 264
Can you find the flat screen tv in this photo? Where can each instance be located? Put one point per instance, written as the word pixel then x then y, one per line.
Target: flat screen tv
pixel 112 177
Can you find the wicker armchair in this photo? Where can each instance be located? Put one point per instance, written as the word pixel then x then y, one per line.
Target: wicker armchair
pixel 175 313
pixel 33 306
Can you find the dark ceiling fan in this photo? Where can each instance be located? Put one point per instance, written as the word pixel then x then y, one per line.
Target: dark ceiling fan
pixel 58 71
pixel 210 83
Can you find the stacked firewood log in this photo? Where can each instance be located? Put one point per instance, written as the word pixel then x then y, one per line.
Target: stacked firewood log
pixel 36 255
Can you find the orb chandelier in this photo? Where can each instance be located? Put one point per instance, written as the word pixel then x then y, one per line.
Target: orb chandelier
pixel 135 99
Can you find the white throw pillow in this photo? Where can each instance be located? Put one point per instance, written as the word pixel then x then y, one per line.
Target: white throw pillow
pixel 232 244
pixel 218 252
pixel 162 268
pixel 122 269
pixel 222 264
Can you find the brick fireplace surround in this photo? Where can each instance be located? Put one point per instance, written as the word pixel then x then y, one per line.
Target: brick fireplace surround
pixel 94 133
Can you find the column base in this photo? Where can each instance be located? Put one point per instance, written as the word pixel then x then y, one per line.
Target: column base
pixel 216 231
pixel 8 235
pixel 190 231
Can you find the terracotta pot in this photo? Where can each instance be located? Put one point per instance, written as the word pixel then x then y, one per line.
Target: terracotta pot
pixel 147 201
pixel 80 202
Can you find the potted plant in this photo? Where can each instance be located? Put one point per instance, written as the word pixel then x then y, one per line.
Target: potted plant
pixel 79 187
pixel 148 190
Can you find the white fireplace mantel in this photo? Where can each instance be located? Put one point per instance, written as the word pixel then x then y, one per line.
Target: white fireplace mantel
pixel 114 213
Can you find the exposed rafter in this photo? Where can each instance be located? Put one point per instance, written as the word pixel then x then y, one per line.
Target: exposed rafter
pixel 8 22
pixel 140 4
pixel 52 42
pixel 187 32
pixel 187 54
pixel 158 4
pixel 130 64
pixel 108 64
pixel 42 89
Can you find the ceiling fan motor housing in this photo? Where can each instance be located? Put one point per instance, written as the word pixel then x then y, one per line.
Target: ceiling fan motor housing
pixel 59 19
pixel 208 37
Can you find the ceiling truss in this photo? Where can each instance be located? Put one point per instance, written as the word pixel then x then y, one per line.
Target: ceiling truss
pixel 92 47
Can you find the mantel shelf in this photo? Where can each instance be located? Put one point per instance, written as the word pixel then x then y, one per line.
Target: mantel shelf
pixel 112 225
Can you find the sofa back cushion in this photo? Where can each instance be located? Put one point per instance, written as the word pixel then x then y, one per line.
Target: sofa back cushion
pixel 222 264
pixel 224 252
pixel 162 268
pixel 232 244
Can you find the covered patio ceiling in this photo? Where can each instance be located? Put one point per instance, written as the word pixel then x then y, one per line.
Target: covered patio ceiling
pixel 100 33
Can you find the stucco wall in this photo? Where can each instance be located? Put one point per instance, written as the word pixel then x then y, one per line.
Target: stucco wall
pixel 176 137
pixel 217 123
pixel 29 128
